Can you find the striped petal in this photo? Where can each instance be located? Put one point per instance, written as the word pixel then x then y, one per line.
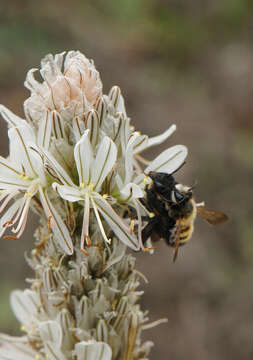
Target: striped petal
pixel 104 162
pixel 89 350
pixel 115 222
pixel 16 350
pixel 50 331
pixel 169 160
pixel 135 140
pixel 54 168
pixel 10 118
pixel 156 140
pixel 69 193
pixel 59 228
pixel 84 158
pixel 25 305
pixel 19 137
pixel 8 216
pixel 44 132
pixel 93 125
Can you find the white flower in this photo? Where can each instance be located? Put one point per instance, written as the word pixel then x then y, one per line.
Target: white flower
pixel 92 172
pixel 22 178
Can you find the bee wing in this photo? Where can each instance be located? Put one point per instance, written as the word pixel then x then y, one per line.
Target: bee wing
pixel 213 217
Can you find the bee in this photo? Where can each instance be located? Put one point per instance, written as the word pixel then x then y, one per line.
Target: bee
pixel 173 211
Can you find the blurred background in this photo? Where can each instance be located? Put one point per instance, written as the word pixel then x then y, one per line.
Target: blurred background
pixel 176 61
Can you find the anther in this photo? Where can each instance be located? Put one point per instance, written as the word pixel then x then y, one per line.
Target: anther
pixel 84 252
pixel 150 248
pixel 91 186
pixel 11 237
pixel 131 227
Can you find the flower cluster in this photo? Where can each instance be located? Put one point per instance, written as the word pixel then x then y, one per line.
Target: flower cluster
pixel 75 159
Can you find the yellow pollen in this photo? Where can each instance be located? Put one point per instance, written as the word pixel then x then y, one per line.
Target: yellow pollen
pixel 37 357
pixel 23 328
pixel 131 227
pixel 28 194
pixel 91 186
pixel 23 176
pixel 145 180
pixel 82 185
pixel 151 215
pixel 105 196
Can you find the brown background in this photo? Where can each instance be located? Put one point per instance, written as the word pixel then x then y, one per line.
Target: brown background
pixel 184 62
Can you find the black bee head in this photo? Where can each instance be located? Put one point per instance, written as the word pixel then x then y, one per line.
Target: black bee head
pixel 181 194
pixel 162 183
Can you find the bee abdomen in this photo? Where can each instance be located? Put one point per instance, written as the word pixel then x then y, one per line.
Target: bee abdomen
pixel 186 233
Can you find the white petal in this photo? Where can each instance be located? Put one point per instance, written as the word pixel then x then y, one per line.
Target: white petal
pixel 19 137
pixel 53 353
pixel 59 228
pixel 68 192
pixel 50 331
pixel 116 255
pixel 116 223
pixel 132 191
pixel 117 100
pixel 156 140
pixel 117 124
pixel 49 69
pixel 140 141
pixel 56 167
pixel 25 305
pixel 58 129
pixel 124 134
pixel 9 172
pixel 78 127
pixel 37 162
pixel 84 158
pixel 8 216
pixel 44 132
pixel 17 351
pixel 92 350
pixel 169 160
pixel 135 141
pixel 30 82
pixel 104 162
pixel 11 118
pixel 118 181
pixel 12 184
pixel 139 180
pixel 93 126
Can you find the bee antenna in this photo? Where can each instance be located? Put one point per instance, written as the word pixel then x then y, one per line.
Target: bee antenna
pixel 194 185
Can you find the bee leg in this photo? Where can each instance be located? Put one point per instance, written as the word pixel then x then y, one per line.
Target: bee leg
pixel 145 204
pixel 148 229
pixel 177 241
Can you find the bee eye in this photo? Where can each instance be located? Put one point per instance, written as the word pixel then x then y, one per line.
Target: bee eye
pixel 160 187
pixel 178 196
